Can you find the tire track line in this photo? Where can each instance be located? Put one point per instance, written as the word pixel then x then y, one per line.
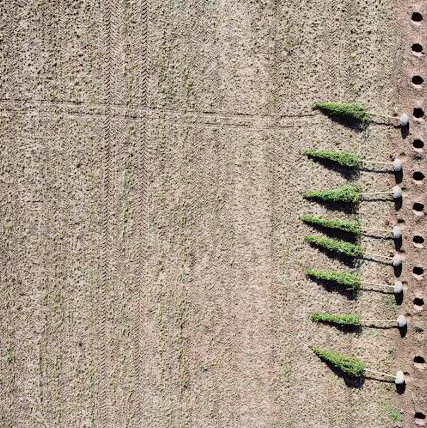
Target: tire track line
pixel 105 225
pixel 116 412
pixel 141 211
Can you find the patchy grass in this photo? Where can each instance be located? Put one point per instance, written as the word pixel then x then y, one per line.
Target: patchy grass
pixel 352 227
pixel 342 320
pixel 348 365
pixel 336 245
pixel 348 194
pixel 342 278
pixel 346 159
pixel 353 111
pixel 395 416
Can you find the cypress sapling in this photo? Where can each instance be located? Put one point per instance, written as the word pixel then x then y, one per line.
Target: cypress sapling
pixel 336 245
pixel 352 111
pixel 348 365
pixel 343 320
pixel 352 227
pixel 347 280
pixel 349 160
pixel 352 366
pixel 355 111
pixel 348 194
pixel 349 249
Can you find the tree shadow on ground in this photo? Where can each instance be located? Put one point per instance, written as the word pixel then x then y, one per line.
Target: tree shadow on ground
pixel 354 329
pixel 333 287
pixel 345 207
pixel 334 233
pixel 372 259
pixel 400 389
pixel 348 122
pixel 402 330
pixel 348 173
pixel 350 381
pixel 347 260
pixel 398 175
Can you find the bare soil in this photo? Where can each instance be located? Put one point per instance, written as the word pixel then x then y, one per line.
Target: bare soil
pixel 152 170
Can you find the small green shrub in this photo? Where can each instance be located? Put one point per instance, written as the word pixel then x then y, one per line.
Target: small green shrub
pixel 336 245
pixel 348 194
pixel 354 111
pixel 395 416
pixel 349 160
pixel 347 226
pixel 351 366
pixel 336 319
pixel 342 278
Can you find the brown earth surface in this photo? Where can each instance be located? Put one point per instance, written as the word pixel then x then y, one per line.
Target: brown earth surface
pixel 152 170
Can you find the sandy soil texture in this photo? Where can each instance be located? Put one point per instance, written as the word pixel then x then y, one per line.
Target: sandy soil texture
pixel 152 170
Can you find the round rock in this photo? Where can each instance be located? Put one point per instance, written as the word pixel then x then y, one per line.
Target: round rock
pixel 397 165
pixel 397 192
pixel 397 232
pixel 398 287
pixel 401 321
pixel 397 260
pixel 400 378
pixel 403 119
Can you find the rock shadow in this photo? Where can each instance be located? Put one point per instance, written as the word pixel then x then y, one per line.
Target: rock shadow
pixel 398 204
pixel 404 131
pixel 398 242
pixel 397 270
pixel 400 389
pixel 398 298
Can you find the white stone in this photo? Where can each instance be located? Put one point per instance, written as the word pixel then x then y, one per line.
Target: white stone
pixel 401 321
pixel 400 378
pixel 397 232
pixel 397 192
pixel 403 119
pixel 397 260
pixel 398 287
pixel 397 165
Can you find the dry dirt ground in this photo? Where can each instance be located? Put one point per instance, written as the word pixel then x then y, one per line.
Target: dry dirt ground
pixel 151 178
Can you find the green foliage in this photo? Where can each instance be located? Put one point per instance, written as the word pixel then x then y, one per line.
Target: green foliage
pixel 350 366
pixel 349 160
pixel 347 226
pixel 349 194
pixel 336 245
pixel 354 111
pixel 342 278
pixel 395 416
pixel 336 319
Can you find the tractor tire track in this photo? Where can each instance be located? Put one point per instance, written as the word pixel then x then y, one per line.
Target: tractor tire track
pixel 103 379
pixel 141 211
